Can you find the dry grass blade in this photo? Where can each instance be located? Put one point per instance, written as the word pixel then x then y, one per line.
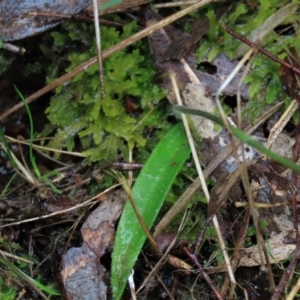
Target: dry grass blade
pixel 85 203
pixel 203 183
pixel 284 119
pixel 98 43
pixel 19 258
pixel 245 178
pixel 287 274
pixel 127 189
pixel 174 4
pixel 267 26
pixel 293 293
pixel 25 173
pixel 43 148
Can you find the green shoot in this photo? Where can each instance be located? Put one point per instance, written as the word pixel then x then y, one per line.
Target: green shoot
pixel 6 147
pixel 7 292
pixel 7 185
pixel 37 286
pixel 47 181
pixel 32 159
pixel 43 178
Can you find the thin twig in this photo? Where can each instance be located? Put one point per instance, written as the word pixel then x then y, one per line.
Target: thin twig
pixel 14 48
pixel 87 202
pixel 261 50
pixel 164 258
pixel 205 276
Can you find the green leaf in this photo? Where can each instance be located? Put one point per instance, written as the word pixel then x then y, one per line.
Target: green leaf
pixel 32 158
pixel 241 136
pixel 49 289
pixel 7 292
pixel 6 147
pixel 149 192
pixel 109 4
pixel 213 25
pixel 46 288
pixel 107 149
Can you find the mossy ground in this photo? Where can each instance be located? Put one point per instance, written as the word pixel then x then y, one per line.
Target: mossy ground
pixel 107 129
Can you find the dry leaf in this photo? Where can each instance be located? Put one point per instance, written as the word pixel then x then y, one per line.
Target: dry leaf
pixel 277 251
pixel 18 22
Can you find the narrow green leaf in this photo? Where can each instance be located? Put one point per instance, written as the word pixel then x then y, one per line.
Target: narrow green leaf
pixel 109 3
pixel 242 137
pixel 32 158
pixel 149 191
pixel 6 146
pixel 48 289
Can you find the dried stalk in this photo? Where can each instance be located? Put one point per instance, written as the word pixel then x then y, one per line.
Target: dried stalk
pixel 203 183
pixel 98 43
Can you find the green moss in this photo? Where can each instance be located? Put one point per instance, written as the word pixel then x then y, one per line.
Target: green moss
pixel 7 292
pixel 103 126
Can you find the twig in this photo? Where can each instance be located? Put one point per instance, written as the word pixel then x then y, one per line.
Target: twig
pixel 235 258
pixel 87 202
pixel 193 257
pixel 128 192
pixel 166 257
pixel 14 48
pixel 261 50
pixel 6 254
pixel 201 235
